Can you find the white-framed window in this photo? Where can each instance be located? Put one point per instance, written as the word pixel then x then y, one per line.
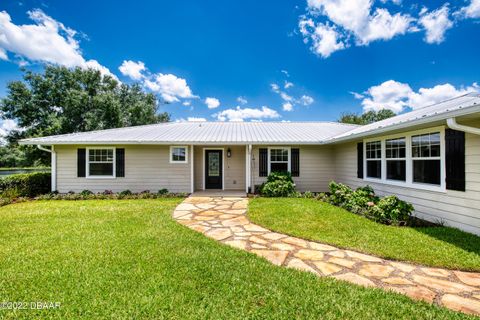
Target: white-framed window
pixel 396 163
pixel 374 159
pixel 100 162
pixel 413 159
pixel 279 159
pixel 178 154
pixel 426 158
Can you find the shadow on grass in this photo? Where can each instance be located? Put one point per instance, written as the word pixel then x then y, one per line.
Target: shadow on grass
pixel 463 240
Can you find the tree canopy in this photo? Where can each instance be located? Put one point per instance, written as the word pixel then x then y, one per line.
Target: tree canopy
pixel 367 117
pixel 61 100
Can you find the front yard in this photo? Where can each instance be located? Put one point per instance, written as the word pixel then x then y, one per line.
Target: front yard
pixel 129 259
pixel 319 221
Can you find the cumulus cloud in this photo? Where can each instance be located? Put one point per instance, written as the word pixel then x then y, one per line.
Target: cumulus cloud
pixel 287 106
pixel 288 100
pixel 472 10
pixel 170 87
pixel 325 39
pixel 46 40
pixel 397 96
pixel 132 69
pixel 306 100
pixel 287 85
pixel 436 23
pixel 6 127
pixel 212 103
pixel 196 119
pixel 242 114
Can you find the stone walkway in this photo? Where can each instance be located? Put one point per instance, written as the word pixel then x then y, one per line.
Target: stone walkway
pixel 224 219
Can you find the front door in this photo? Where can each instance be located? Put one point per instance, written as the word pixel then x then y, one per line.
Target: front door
pixel 213 169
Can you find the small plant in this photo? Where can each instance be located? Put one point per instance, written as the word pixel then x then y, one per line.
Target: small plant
pixel 163 191
pixel 279 184
pixel 107 192
pixel 308 195
pixel 125 193
pixel 339 193
pixel 360 200
pixel 85 193
pixel 391 210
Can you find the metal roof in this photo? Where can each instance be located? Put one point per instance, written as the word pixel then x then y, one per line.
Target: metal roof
pixel 206 133
pixel 264 132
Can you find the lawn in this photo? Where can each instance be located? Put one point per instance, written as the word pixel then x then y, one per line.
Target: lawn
pixel 129 259
pixel 319 221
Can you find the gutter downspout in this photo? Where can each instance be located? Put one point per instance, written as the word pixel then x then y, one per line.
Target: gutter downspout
pixel 53 165
pixel 452 124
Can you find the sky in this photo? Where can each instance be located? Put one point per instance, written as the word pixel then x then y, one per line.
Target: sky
pixel 255 60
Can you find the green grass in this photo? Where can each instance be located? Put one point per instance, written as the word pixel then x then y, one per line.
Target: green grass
pixel 130 259
pixel 319 221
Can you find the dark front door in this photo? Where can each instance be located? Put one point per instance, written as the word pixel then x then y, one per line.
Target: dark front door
pixel 213 169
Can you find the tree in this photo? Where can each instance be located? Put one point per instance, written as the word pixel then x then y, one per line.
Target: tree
pixel 367 117
pixel 62 100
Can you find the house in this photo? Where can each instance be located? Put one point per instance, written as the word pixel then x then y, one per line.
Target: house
pixel 429 157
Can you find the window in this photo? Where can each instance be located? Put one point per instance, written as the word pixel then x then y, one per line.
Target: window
pixel 178 154
pixel 279 159
pixel 426 158
pixel 414 159
pixel 395 155
pixel 374 159
pixel 101 162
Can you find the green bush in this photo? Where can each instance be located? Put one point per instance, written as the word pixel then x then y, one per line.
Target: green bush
pixel 26 184
pixel 86 192
pixel 391 210
pixel 279 184
pixel 339 193
pixel 163 191
pixel 360 200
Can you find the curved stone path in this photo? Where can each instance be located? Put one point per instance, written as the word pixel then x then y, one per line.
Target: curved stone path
pixel 224 219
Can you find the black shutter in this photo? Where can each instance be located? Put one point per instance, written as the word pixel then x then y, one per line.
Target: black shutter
pixel 81 163
pixel 455 159
pixel 295 162
pixel 360 160
pixel 263 162
pixel 120 162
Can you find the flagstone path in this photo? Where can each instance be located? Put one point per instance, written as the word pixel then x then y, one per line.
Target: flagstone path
pixel 224 219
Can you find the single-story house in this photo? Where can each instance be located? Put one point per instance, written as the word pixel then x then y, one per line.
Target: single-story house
pixel 429 157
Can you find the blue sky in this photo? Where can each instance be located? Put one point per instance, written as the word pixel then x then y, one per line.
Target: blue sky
pixel 287 60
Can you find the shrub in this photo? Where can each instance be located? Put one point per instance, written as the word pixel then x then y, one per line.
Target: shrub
pixel 308 195
pixel 339 193
pixel 26 184
pixel 86 192
pixel 279 184
pixel 125 193
pixel 163 191
pixel 391 210
pixel 360 199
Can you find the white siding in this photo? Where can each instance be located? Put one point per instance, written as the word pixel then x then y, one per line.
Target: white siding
pixel 233 167
pixel 454 208
pixel 146 168
pixel 317 168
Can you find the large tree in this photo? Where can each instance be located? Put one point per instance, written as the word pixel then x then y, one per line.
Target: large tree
pixel 367 117
pixel 62 100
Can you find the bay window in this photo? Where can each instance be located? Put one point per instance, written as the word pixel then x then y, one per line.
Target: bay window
pixel 374 159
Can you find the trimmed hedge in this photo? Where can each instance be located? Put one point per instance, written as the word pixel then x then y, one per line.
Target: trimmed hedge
pixel 26 184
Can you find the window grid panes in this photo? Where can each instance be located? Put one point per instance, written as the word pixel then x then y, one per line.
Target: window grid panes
pixel 426 158
pixel 100 162
pixel 395 152
pixel 279 160
pixel 179 154
pixel 374 159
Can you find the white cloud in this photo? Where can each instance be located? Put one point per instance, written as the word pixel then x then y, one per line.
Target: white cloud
pixel 287 106
pixel 436 23
pixel 275 87
pixel 472 10
pixel 132 69
pixel 239 114
pixel 325 39
pixel 397 96
pixel 242 100
pixel 47 40
pixel 170 87
pixel 187 103
pixel 285 72
pixel 383 26
pixel 212 103
pixel 287 85
pixel 306 100
pixel 6 127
